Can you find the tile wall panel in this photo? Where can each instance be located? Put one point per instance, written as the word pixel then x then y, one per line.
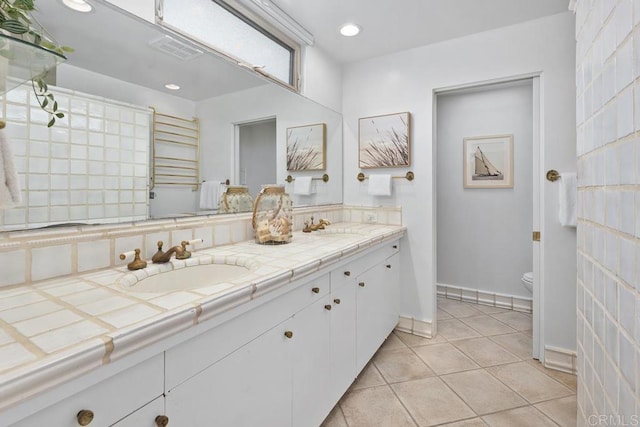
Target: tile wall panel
pixel 608 147
pixel 90 167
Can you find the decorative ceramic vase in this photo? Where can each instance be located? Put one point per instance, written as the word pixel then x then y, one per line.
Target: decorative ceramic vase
pixel 272 215
pixel 235 198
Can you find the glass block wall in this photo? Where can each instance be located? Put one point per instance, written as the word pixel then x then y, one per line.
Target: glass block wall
pixel 608 127
pixel 90 167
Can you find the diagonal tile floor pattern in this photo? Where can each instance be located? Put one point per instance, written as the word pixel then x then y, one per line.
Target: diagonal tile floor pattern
pixel 478 371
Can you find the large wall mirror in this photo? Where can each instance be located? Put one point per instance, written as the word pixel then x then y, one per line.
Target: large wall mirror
pixel 120 67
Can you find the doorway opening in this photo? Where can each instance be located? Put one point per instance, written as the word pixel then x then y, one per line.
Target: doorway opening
pixel 256 154
pixel 483 232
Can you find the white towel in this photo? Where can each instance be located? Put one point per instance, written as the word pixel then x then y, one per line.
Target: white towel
pixel 567 203
pixel 380 185
pixel 302 185
pixel 210 193
pixel 9 184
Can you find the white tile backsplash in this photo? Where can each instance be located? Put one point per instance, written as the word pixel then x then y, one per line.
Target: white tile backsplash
pixel 13 267
pixel 50 262
pixel 94 255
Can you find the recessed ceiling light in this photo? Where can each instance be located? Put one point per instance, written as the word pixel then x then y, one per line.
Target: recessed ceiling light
pixel 78 5
pixel 172 86
pixel 349 30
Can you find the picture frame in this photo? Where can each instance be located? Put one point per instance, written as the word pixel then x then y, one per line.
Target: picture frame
pixel 306 147
pixel 488 161
pixel 384 141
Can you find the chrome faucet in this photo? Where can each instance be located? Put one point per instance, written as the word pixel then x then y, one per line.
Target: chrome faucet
pixel 180 252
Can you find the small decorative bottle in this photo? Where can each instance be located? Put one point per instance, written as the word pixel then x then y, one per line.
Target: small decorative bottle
pixel 235 198
pixel 272 215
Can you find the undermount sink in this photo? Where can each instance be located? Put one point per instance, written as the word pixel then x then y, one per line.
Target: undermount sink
pixel 197 276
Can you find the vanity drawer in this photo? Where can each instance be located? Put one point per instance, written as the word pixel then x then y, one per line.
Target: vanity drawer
pixel 109 401
pixel 193 356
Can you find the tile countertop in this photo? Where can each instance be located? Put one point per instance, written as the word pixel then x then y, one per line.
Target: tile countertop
pixel 55 330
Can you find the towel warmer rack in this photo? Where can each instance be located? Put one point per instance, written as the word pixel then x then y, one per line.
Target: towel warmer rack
pixel 175 151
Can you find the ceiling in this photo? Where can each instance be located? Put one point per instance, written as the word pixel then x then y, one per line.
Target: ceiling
pixel 394 25
pixel 117 44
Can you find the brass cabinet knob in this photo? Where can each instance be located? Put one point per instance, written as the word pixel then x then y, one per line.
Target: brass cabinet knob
pixel 388 265
pixel 85 417
pixel 162 421
pixel 347 273
pixel 327 307
pixel 361 284
pixel 288 334
pixel 337 300
pixel 315 290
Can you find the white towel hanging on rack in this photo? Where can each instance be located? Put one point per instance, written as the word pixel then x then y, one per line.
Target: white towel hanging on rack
pixel 567 200
pixel 9 184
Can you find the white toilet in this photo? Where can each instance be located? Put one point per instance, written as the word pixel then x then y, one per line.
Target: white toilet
pixel 527 281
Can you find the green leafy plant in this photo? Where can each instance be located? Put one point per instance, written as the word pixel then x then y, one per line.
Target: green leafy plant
pixel 17 20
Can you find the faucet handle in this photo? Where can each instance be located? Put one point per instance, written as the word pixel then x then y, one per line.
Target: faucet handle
pixel 137 263
pixel 156 257
pixel 184 254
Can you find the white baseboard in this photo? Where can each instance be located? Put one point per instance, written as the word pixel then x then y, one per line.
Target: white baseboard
pixel 493 299
pixel 560 359
pixel 414 326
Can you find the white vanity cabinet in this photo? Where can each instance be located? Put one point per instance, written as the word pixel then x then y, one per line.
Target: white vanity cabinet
pixel 377 310
pixel 109 401
pixel 282 359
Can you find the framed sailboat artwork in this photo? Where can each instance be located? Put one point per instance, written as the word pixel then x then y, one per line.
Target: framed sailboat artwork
pixel 488 161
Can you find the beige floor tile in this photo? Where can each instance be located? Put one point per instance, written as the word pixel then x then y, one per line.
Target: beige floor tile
pixel 518 321
pixel 529 382
pixel 485 352
pixel 473 422
pixel 335 418
pixel 563 411
pixel 488 309
pixel 416 341
pixel 431 402
pixel 443 315
pixel 487 325
pixel 376 406
pixel 458 309
pixel 454 329
pixel 482 391
pixel 369 377
pixel 569 380
pixel 401 365
pixel 445 358
pixel 392 343
pixel 518 344
pixel 527 416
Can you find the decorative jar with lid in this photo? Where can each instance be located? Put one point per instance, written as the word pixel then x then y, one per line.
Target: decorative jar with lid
pixel 235 198
pixel 272 215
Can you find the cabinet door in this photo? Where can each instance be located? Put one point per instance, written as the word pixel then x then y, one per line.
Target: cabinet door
pixel 145 416
pixel 377 309
pixel 311 328
pixel 343 334
pixel 249 387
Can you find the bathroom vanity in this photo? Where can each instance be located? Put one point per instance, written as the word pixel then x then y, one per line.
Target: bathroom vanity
pixel 277 347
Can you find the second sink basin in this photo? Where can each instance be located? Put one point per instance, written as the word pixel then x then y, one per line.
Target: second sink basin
pixel 197 276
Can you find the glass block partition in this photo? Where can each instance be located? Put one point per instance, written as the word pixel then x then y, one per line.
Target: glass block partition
pixel 90 167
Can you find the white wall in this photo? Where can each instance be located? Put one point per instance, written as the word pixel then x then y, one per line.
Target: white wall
pixel 484 235
pixel 608 93
pixel 405 81
pixel 321 78
pixel 219 115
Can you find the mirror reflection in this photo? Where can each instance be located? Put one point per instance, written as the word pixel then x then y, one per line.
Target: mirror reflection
pixel 95 165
